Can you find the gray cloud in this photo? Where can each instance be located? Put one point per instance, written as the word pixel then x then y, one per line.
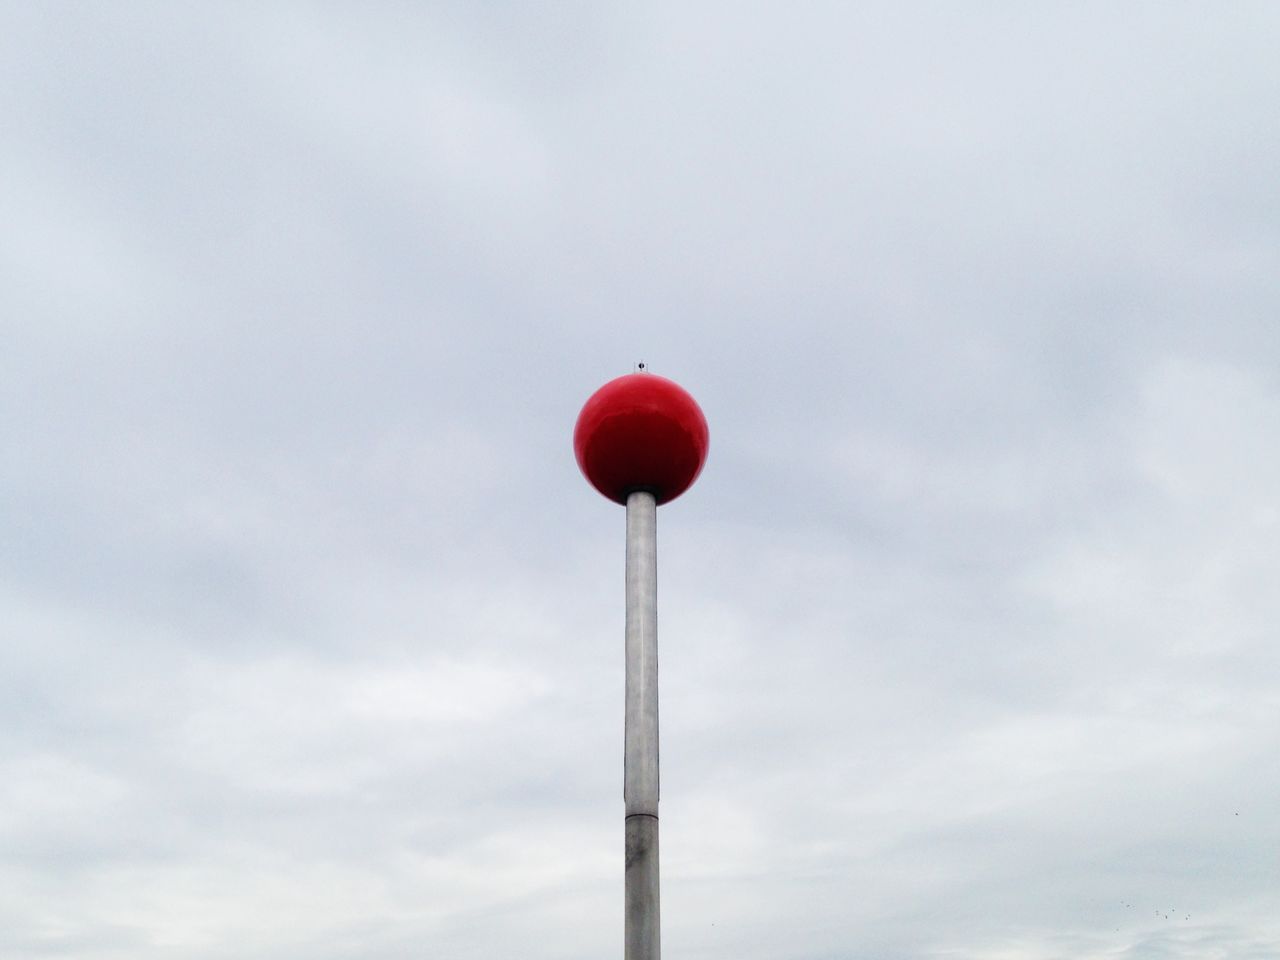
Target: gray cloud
pixel 309 630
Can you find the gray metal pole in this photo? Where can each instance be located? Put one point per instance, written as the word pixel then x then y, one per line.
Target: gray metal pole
pixel 640 753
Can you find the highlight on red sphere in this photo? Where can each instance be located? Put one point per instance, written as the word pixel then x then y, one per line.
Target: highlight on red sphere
pixel 641 432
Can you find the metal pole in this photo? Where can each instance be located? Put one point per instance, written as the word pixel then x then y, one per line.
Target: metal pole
pixel 640 754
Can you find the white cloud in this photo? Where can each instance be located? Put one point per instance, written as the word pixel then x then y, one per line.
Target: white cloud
pixel 310 634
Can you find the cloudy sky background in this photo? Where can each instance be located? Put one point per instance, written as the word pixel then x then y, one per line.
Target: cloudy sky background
pixel 310 632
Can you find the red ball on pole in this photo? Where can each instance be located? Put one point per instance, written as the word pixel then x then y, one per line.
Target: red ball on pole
pixel 641 432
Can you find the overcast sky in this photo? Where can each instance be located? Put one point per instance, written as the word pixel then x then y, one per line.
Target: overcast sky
pixel 311 632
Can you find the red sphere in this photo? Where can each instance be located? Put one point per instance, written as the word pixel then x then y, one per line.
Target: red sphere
pixel 641 432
